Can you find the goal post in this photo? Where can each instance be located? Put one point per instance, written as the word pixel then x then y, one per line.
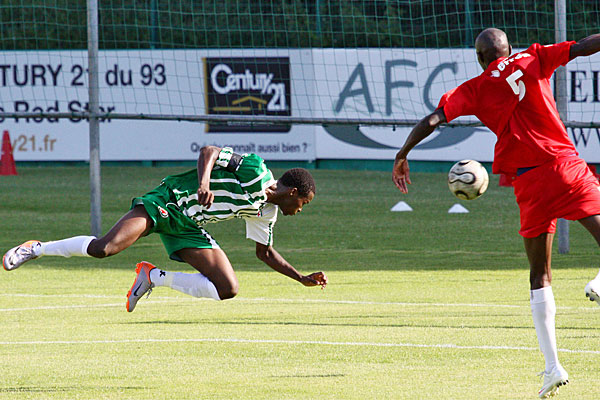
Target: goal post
pixel 94 124
pixel 560 18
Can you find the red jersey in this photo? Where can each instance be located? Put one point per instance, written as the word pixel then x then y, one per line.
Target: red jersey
pixel 513 98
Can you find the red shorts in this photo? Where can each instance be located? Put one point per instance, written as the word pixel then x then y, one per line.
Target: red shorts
pixel 562 188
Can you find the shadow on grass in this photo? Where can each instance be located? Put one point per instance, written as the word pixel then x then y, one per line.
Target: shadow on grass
pixel 459 327
pixel 309 376
pixel 356 325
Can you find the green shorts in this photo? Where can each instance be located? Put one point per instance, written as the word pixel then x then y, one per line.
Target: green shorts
pixel 177 231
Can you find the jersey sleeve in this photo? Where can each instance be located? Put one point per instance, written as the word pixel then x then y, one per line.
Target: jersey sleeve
pixel 261 229
pixel 458 102
pixel 254 176
pixel 551 56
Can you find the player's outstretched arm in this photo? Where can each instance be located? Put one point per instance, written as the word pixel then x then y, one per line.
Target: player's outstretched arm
pixel 400 173
pixel 206 161
pixel 585 47
pixel 273 259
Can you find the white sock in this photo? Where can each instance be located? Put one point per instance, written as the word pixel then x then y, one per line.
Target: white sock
pixel 75 246
pixel 543 309
pixel 196 285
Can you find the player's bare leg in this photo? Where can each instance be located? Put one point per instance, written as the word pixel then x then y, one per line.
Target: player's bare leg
pixel 539 253
pixel 592 224
pixel 132 226
pixel 543 310
pixel 214 265
pixel 215 278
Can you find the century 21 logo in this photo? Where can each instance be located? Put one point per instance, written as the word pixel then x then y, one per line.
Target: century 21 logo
pixel 248 86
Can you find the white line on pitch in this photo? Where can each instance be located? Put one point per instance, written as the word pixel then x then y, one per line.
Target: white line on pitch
pixel 166 299
pixel 292 342
pixel 181 300
pixel 275 300
pixel 77 306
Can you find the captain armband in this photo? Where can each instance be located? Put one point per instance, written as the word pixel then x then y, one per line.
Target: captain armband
pixel 228 159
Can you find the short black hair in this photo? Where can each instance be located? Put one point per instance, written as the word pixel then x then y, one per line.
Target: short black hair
pixel 300 179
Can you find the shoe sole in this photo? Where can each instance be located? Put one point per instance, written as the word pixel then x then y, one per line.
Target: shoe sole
pixel 593 296
pixel 4 262
pixel 138 269
pixel 554 390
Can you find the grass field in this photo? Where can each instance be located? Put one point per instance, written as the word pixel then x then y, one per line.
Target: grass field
pixel 420 305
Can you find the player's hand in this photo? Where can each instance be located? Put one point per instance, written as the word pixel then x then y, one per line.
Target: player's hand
pixel 400 174
pixel 205 196
pixel 314 279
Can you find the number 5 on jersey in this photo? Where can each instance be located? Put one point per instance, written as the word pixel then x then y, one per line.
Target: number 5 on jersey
pixel 517 86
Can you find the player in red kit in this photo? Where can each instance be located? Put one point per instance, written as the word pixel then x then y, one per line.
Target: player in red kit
pixel 513 98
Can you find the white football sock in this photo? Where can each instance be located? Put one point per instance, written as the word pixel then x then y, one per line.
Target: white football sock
pixel 75 246
pixel 196 285
pixel 543 309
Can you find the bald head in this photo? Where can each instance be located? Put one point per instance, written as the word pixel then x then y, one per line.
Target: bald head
pixel 490 45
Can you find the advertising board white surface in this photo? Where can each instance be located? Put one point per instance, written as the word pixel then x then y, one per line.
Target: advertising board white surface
pixel 153 82
pixel 389 84
pixel 382 83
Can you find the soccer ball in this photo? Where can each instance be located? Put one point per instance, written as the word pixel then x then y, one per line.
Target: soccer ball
pixel 468 179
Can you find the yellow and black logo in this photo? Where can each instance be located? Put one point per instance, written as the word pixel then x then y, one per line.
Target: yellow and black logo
pixel 248 86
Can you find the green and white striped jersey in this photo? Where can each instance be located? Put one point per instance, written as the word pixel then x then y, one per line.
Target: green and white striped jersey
pixel 239 194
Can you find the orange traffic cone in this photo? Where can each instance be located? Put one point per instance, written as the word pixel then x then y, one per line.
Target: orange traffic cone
pixel 7 161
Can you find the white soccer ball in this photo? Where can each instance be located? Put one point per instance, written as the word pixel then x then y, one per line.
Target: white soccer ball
pixel 468 179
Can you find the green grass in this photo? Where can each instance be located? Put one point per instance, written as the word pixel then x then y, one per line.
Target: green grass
pixel 418 306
